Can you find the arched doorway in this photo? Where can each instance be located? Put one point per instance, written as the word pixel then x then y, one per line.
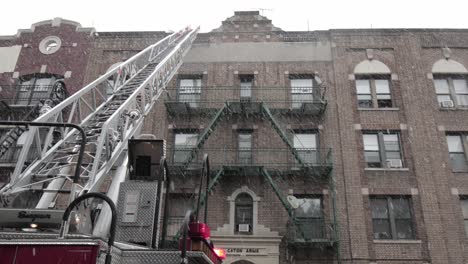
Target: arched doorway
pixel 242 262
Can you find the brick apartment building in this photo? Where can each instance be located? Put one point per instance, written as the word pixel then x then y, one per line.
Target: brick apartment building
pixel 337 146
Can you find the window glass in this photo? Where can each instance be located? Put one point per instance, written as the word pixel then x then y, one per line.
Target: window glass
pixel 246 86
pixel 244 212
pixel 363 87
pixel 461 90
pixel 465 208
pixel 309 208
pixel 401 208
pixel 441 86
pixel 460 86
pixel 381 229
pixel 379 208
pixel 306 146
pixel 391 142
pixel 301 92
pixel 454 144
pixel 382 87
pixel 305 141
pixel 371 142
pixel 391 218
pixel 184 142
pixel 245 148
pixel 404 229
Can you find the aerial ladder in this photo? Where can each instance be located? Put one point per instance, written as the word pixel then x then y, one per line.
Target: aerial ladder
pixel 109 120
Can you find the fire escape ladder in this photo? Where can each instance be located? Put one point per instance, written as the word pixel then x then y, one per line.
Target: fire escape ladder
pixel 276 126
pixel 205 135
pixel 12 136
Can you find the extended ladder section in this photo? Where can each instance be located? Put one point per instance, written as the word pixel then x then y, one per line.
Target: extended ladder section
pixel 12 136
pixel 111 110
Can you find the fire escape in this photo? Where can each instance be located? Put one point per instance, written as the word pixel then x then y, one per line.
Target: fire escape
pixel 275 165
pixel 29 102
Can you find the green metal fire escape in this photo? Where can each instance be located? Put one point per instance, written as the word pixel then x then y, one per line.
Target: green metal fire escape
pixel 205 135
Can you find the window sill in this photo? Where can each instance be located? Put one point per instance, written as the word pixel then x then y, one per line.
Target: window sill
pixel 386 169
pixel 396 241
pixel 453 108
pixel 380 109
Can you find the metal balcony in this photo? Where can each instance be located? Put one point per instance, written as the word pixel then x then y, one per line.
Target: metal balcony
pixel 283 100
pixel 310 232
pixel 31 95
pixel 317 162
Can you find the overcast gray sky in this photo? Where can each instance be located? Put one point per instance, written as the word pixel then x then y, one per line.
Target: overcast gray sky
pixel 139 15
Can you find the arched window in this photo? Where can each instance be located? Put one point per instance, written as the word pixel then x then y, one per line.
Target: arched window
pixel 373 84
pixel 450 82
pixel 243 214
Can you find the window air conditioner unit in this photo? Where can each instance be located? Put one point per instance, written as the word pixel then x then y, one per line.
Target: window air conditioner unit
pixel 244 228
pixel 394 163
pixel 447 104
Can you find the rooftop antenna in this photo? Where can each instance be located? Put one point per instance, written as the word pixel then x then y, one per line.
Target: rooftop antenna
pixel 263 9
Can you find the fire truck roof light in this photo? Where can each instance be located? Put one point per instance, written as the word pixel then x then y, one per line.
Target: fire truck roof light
pixel 220 252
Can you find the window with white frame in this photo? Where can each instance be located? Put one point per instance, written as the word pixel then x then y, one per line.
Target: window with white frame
pixel 452 91
pixel 305 144
pixel 183 146
pixel 309 216
pixel 464 205
pixel 457 146
pixel 382 149
pixel 373 92
pixel 391 217
pixel 302 90
pixel 189 91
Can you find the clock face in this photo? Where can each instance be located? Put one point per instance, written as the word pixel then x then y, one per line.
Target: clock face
pixel 50 45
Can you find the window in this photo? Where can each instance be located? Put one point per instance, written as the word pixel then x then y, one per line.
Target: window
pixel 464 204
pixel 301 91
pixel 178 205
pixel 309 217
pixel 305 145
pixel 245 147
pixel 190 91
pixel 391 218
pixel 452 91
pixel 184 143
pixel 457 154
pixel 246 82
pixel 244 213
pixel 382 150
pixel 373 93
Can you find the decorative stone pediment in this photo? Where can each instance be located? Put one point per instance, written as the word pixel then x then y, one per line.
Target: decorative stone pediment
pixel 246 21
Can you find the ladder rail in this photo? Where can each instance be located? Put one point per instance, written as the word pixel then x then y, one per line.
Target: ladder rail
pixel 151 89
